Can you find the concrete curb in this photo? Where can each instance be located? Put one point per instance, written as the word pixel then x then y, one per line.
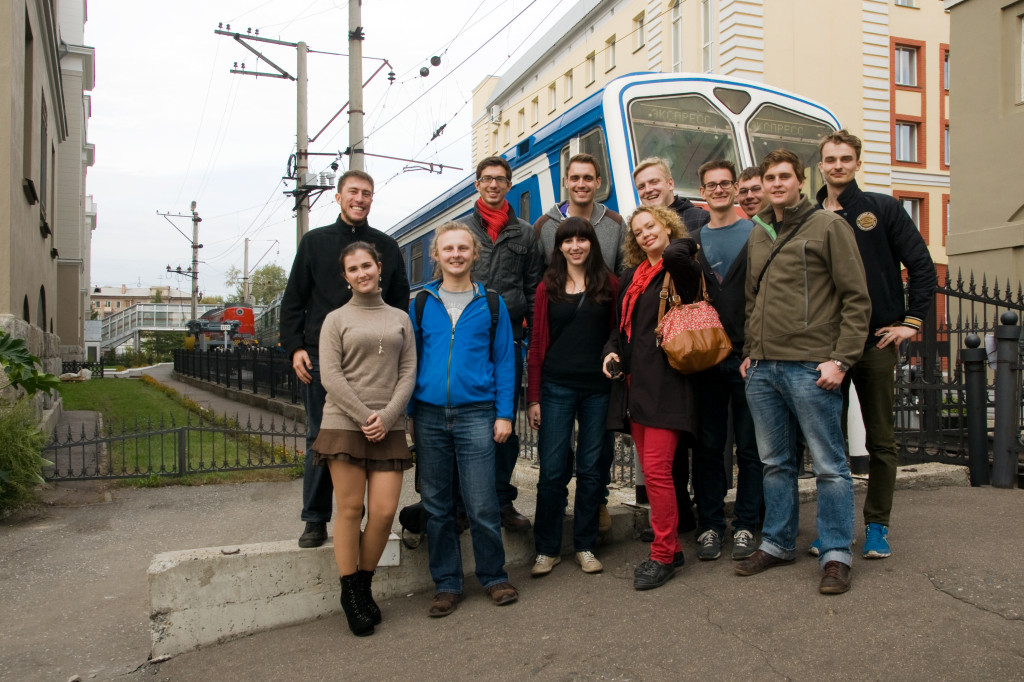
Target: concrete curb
pixel 296 412
pixel 211 595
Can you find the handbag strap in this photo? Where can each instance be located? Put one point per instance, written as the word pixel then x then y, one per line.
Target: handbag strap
pixel 554 336
pixel 775 252
pixel 670 296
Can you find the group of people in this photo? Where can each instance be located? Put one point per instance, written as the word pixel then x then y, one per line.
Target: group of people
pixel 811 297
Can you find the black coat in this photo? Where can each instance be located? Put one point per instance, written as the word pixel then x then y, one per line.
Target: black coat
pixel 658 395
pixel 728 297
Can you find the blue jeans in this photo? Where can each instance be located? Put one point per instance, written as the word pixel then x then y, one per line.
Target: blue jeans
pixel 450 439
pixel 560 406
pixel 719 388
pixel 781 396
pixel 317 489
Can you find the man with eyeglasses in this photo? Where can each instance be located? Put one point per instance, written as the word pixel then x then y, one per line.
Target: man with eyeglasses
pixel 510 263
pixel 316 287
pixel 886 238
pixel 723 258
pixel 750 192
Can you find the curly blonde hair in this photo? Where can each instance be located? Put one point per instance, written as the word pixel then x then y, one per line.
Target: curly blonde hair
pixel 668 218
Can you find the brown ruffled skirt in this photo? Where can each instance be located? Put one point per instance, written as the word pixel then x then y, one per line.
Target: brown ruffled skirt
pixel 391 454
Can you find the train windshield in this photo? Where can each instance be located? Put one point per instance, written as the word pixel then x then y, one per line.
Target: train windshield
pixel 773 127
pixel 684 130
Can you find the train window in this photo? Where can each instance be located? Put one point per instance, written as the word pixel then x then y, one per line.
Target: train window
pixel 590 143
pixel 524 206
pixel 687 131
pixel 773 127
pixel 416 263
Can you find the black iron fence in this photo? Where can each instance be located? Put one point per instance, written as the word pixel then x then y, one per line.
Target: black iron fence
pixel 263 371
pixel 74 366
pixel 164 447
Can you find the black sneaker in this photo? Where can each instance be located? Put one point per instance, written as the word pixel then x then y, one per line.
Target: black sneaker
pixel 710 545
pixel 651 574
pixel 314 535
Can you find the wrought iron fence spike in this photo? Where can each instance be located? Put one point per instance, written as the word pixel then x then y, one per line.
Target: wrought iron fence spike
pixel 984 284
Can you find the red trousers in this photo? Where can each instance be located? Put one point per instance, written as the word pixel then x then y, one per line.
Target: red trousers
pixel 656 449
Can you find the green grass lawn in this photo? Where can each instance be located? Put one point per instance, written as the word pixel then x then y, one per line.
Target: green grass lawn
pixel 130 406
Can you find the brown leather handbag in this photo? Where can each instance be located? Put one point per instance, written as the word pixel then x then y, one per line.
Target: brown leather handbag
pixel 691 334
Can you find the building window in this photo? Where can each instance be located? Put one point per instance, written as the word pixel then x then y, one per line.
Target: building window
pixel 945 70
pixel 906 142
pixel 945 145
pixel 609 54
pixel 521 120
pixel 567 85
pixel 524 207
pixel 535 111
pixel 677 36
pixel 945 218
pixel 905 3
pixel 638 31
pixel 29 89
pixel 707 36
pixel 416 263
pixel 507 127
pixel 913 209
pixel 905 66
pixel 591 68
pixel 552 98
pixel 1020 71
pixel 494 142
pixel 43 165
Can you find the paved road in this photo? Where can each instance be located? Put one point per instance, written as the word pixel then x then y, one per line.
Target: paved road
pixel 947 605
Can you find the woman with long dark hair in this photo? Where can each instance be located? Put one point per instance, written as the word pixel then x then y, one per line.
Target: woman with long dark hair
pixel 654 401
pixel 572 315
pixel 368 366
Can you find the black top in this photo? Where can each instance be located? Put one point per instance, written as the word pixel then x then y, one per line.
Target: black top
pixel 573 358
pixel 316 285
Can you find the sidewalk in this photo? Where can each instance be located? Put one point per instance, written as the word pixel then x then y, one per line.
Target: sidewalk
pixel 947 605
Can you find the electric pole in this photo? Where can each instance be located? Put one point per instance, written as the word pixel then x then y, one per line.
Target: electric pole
pixel 355 86
pixel 246 285
pixel 193 271
pixel 301 143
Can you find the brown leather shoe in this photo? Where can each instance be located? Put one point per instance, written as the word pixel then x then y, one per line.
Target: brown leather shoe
pixel 836 578
pixel 513 520
pixel 759 561
pixel 443 604
pixel 502 593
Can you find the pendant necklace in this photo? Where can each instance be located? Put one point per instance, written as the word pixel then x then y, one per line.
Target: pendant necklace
pixel 380 340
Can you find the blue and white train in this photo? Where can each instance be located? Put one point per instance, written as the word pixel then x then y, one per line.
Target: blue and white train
pixel 687 119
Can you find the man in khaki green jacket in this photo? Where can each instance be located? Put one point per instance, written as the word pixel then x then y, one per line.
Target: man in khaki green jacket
pixel 807 321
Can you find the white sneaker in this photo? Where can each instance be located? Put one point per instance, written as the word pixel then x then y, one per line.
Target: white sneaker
pixel 588 562
pixel 543 564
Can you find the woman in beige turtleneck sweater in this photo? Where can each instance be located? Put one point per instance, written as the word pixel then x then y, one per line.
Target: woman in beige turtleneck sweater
pixel 368 366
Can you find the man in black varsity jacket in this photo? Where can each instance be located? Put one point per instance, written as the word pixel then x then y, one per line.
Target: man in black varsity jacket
pixel 888 240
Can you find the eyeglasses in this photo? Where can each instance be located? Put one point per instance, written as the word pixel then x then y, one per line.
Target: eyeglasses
pixel 747 190
pixel 488 179
pixel 724 184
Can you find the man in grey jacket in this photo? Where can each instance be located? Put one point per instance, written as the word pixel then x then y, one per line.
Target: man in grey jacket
pixel 582 181
pixel 510 263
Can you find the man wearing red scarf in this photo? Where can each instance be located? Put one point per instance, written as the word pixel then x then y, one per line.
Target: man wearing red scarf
pixel 510 263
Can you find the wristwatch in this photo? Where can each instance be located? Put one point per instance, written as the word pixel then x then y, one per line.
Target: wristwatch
pixel 843 367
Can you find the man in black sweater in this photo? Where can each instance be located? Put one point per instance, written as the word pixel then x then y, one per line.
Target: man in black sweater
pixel 887 239
pixel 315 288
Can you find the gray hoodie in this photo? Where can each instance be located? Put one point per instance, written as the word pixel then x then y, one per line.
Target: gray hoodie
pixel 609 225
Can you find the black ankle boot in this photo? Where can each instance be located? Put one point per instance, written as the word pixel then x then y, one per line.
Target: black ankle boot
pixel 364 583
pixel 358 621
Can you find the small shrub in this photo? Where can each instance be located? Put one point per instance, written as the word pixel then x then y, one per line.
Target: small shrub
pixel 21 464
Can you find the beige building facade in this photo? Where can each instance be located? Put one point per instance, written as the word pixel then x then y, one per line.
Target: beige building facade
pixel 880 65
pixel 988 237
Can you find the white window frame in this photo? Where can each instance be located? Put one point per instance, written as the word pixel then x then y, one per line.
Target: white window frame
pixel 1020 71
pixel 521 119
pixel 945 145
pixel 904 66
pixel 638 31
pixel 945 70
pixel 677 35
pixel 707 9
pixel 567 85
pixel 609 54
pixel 507 128
pixel 535 111
pixel 906 142
pixel 591 67
pixel 905 3
pixel 552 97
pixel 912 205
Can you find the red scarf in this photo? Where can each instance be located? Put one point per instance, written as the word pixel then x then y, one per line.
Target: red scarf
pixel 494 220
pixel 643 275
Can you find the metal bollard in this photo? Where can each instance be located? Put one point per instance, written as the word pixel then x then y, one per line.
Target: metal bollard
pixel 973 358
pixel 1004 446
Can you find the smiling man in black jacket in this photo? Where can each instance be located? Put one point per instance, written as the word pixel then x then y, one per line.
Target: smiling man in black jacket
pixel 315 288
pixel 886 238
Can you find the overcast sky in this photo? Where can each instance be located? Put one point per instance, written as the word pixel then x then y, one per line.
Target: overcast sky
pixel 171 124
